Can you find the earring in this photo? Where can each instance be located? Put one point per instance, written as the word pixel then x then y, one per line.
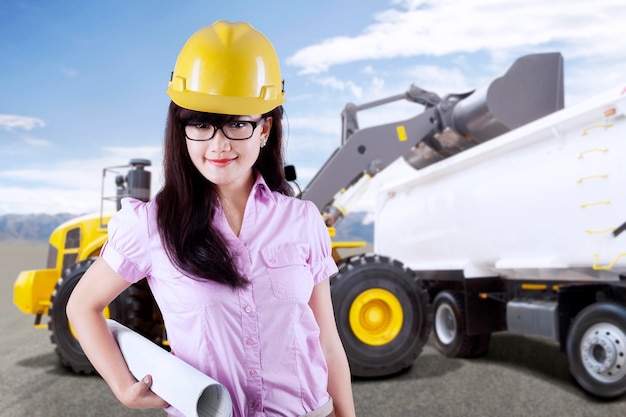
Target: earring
pixel 263 143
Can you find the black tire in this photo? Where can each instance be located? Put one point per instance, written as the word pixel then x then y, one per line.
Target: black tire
pixel 135 308
pixel 67 347
pixel 596 349
pixel 450 329
pixel 381 312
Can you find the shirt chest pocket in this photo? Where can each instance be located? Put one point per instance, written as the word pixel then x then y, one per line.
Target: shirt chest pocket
pixel 177 293
pixel 289 273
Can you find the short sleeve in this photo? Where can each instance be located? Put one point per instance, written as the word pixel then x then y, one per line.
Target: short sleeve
pixel 127 249
pixel 321 261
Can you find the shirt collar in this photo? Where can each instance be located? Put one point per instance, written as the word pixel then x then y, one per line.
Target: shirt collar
pixel 261 190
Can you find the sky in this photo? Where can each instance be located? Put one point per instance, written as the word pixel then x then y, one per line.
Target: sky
pixel 82 83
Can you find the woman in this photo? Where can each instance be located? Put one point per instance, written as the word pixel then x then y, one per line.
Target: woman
pixel 238 267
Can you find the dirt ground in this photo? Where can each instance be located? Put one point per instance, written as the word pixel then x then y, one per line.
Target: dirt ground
pixel 519 377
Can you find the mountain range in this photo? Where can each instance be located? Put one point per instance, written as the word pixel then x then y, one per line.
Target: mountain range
pixel 38 227
pixel 30 227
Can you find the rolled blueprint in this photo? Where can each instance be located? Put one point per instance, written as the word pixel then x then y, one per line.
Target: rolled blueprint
pixel 185 388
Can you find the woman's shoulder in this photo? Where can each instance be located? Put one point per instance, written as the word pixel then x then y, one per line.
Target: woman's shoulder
pixel 296 208
pixel 136 205
pixel 294 202
pixel 135 213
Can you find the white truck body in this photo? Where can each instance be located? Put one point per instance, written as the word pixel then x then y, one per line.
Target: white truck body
pixel 539 202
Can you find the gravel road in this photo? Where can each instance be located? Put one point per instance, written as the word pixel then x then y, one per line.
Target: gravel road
pixel 519 377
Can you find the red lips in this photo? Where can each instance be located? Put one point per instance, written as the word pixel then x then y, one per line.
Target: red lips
pixel 221 162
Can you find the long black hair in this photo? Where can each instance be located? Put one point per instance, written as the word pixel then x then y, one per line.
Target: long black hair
pixel 186 203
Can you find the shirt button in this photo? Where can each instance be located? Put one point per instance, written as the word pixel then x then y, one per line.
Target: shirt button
pixel 248 309
pixel 253 372
pixel 249 341
pixel 272 261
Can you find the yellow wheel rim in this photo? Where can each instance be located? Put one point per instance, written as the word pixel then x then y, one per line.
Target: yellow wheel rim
pixel 376 317
pixel 106 313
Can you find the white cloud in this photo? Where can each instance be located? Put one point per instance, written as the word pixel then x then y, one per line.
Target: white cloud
pixel 48 200
pixel 36 142
pixel 368 69
pixel 445 27
pixel 437 79
pixel 337 84
pixel 10 122
pixel 80 174
pixel 72 186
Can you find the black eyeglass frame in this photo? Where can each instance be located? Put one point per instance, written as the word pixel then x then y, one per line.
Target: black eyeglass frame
pixel 251 122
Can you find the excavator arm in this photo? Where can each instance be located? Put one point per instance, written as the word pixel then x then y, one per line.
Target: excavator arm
pixel 530 89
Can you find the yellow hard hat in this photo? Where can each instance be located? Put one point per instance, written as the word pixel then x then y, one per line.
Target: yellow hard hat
pixel 227 68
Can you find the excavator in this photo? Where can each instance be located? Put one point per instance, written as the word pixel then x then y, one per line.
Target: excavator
pixel 381 307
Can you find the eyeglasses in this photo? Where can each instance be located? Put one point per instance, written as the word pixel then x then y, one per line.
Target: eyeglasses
pixel 235 130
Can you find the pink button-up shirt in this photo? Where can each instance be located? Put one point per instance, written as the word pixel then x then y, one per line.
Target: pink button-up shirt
pixel 260 342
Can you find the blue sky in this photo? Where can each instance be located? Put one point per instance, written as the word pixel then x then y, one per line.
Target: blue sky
pixel 82 84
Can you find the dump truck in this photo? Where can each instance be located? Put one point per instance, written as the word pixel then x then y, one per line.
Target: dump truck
pixel 499 210
pixel 525 234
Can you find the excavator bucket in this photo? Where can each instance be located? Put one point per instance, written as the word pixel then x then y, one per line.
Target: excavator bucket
pixel 530 89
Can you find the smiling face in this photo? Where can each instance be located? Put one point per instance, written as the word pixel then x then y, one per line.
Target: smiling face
pixel 228 163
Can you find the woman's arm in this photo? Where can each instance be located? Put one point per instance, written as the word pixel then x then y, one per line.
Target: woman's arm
pixel 339 381
pixel 96 289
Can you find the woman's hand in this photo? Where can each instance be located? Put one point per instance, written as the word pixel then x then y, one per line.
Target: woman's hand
pixel 138 395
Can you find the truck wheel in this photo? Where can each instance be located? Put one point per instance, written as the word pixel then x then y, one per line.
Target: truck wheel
pixel 67 347
pixel 135 308
pixel 596 349
pixel 450 329
pixel 381 312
